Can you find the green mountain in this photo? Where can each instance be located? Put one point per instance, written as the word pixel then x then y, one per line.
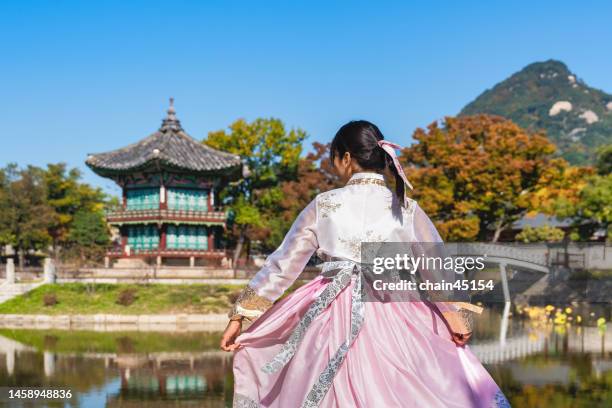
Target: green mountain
pixel 547 95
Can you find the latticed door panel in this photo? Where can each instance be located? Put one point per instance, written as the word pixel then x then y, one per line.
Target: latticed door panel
pixel 187 199
pixel 143 199
pixel 194 237
pixel 143 237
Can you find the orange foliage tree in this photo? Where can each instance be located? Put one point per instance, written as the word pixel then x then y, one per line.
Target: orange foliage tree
pixel 477 175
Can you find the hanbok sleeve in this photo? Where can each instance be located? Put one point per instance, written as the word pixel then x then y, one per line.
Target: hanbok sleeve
pixel 281 268
pixel 457 313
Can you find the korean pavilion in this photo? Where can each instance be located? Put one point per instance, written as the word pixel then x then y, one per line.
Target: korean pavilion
pixel 168 212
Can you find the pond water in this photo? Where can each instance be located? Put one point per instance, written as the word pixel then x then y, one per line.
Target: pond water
pixel 537 364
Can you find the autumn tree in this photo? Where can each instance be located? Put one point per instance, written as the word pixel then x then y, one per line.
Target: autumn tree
pixel 477 175
pixel 272 155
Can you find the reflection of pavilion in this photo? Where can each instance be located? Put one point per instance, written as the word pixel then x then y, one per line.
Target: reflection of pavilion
pixel 158 379
pixel 171 376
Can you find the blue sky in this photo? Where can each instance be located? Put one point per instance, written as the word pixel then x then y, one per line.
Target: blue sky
pixel 84 77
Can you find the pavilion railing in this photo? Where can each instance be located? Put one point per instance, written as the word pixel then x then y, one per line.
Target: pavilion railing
pixel 167 252
pixel 165 214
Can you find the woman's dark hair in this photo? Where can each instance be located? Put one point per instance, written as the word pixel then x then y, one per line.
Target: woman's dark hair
pixel 360 138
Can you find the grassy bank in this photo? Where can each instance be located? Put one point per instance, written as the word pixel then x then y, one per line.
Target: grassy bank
pixel 80 298
pixel 112 342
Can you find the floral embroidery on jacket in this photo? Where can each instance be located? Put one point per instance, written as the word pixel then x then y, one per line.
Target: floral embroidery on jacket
pixel 327 205
pixel 353 244
pixel 367 180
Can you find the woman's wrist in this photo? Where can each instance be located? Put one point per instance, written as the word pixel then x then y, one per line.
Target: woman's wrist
pixel 236 318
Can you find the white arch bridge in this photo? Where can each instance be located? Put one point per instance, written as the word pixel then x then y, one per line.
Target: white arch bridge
pixel 517 256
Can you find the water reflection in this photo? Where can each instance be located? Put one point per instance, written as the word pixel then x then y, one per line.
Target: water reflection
pixel 153 372
pixel 537 364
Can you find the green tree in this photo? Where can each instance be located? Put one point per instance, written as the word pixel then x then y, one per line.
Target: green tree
pixel 67 195
pixel 25 215
pixel 6 236
pixel 271 153
pixel 604 160
pixel 89 234
pixel 592 210
pixel 596 203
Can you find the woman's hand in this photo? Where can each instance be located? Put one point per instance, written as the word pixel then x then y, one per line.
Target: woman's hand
pixel 461 339
pixel 459 326
pixel 229 335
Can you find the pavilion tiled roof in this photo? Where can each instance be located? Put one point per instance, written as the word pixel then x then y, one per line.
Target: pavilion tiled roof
pixel 170 148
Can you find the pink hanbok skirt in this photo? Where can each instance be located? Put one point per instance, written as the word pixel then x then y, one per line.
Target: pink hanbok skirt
pixel 403 356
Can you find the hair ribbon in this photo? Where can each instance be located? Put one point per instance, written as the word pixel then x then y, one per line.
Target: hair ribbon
pixel 390 147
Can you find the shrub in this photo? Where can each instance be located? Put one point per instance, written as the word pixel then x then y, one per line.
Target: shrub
pixel 544 233
pixel 126 297
pixel 50 299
